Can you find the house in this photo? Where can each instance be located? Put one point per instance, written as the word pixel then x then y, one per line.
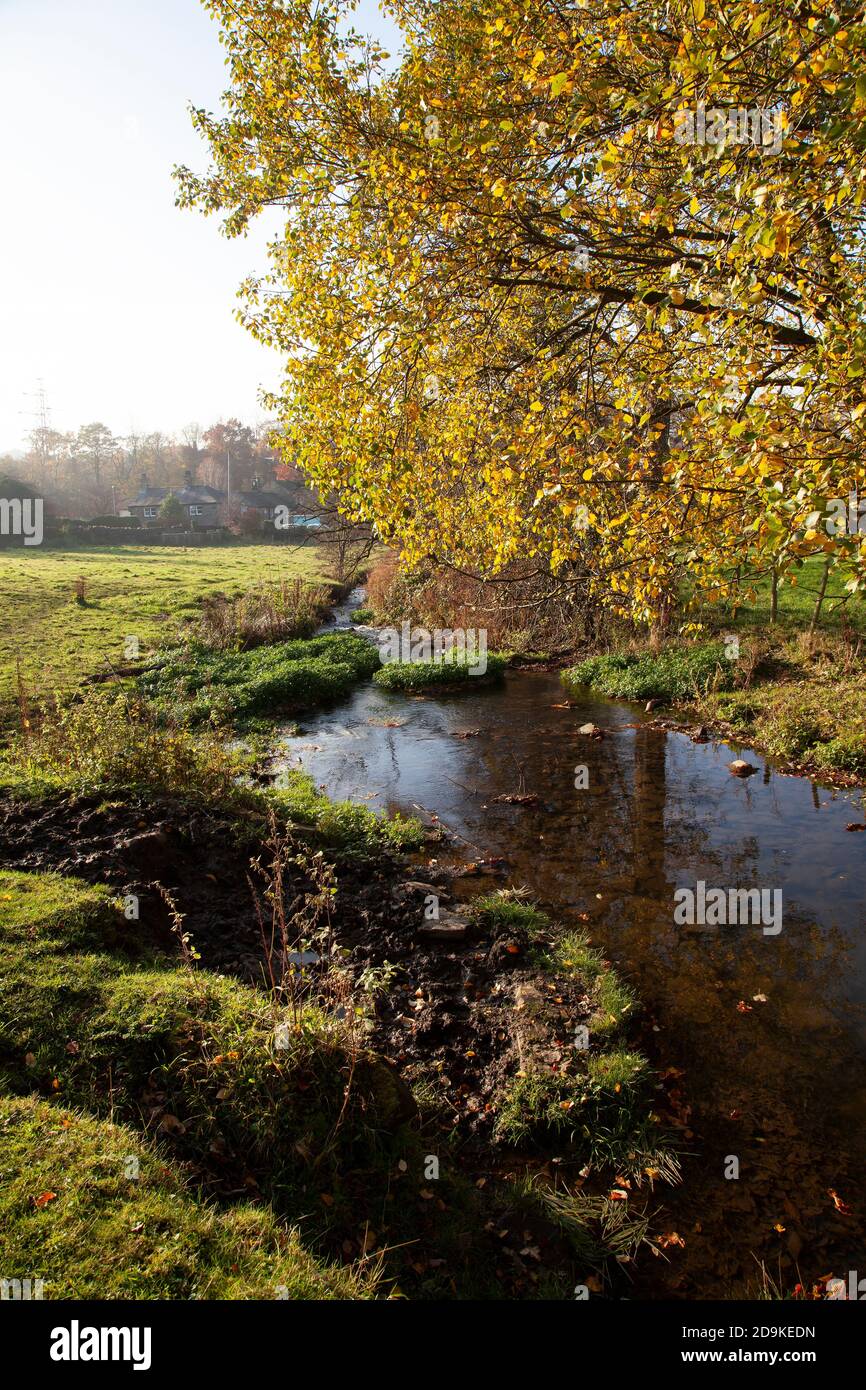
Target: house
pixel 201 503
pixel 299 506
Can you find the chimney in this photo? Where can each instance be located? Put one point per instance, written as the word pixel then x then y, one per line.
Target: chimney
pixel 187 477
pixel 144 482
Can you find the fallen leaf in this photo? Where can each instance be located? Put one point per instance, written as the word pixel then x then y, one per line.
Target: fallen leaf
pixel 838 1202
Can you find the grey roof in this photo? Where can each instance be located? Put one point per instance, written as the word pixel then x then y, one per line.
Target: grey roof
pixel 191 495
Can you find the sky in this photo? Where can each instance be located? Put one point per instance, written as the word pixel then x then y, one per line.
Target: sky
pixel 119 303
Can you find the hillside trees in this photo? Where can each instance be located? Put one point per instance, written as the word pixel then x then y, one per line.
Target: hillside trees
pixel 580 282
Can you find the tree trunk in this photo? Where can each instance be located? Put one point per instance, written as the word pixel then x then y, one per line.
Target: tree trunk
pixel 820 599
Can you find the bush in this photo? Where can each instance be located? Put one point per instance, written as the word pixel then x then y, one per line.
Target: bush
pixel 263 616
pixel 108 740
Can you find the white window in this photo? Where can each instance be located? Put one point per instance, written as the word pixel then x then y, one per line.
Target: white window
pixel 150 511
pixel 195 511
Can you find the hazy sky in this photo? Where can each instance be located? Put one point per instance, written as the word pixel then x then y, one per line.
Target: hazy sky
pixel 122 304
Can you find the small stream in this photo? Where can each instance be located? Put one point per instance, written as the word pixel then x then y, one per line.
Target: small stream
pixel 769 1031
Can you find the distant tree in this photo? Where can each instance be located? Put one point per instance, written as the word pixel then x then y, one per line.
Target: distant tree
pixel 172 510
pixel 191 446
pixel 231 439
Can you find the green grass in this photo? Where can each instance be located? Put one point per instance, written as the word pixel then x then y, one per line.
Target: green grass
pixel 72 1215
pixel 796 601
pixel 676 673
pixel 813 715
pixel 131 590
pixel 600 1107
pixel 420 675
pixel 571 955
pixel 511 912
pixel 342 824
pixel 793 695
pixel 198 685
pixel 602 1111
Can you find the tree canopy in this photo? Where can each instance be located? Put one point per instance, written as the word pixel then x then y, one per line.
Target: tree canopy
pixel 582 282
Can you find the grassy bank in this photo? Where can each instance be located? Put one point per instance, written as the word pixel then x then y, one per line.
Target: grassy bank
pixel 796 696
pixel 241 1089
pixel 69 612
pixel 98 1214
pixel 141 1094
pixel 196 684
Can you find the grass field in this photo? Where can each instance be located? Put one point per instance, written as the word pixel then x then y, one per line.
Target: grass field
pixel 136 590
pixel 797 601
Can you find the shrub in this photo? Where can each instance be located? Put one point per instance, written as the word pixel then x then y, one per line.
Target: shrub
pixel 106 739
pixel 264 615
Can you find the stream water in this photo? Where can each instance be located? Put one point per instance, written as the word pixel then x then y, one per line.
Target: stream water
pixel 769 1031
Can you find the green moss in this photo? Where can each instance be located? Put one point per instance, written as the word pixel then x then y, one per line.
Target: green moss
pixel 96 1214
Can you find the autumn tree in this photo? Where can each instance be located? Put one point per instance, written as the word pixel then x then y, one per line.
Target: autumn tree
pixel 582 283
